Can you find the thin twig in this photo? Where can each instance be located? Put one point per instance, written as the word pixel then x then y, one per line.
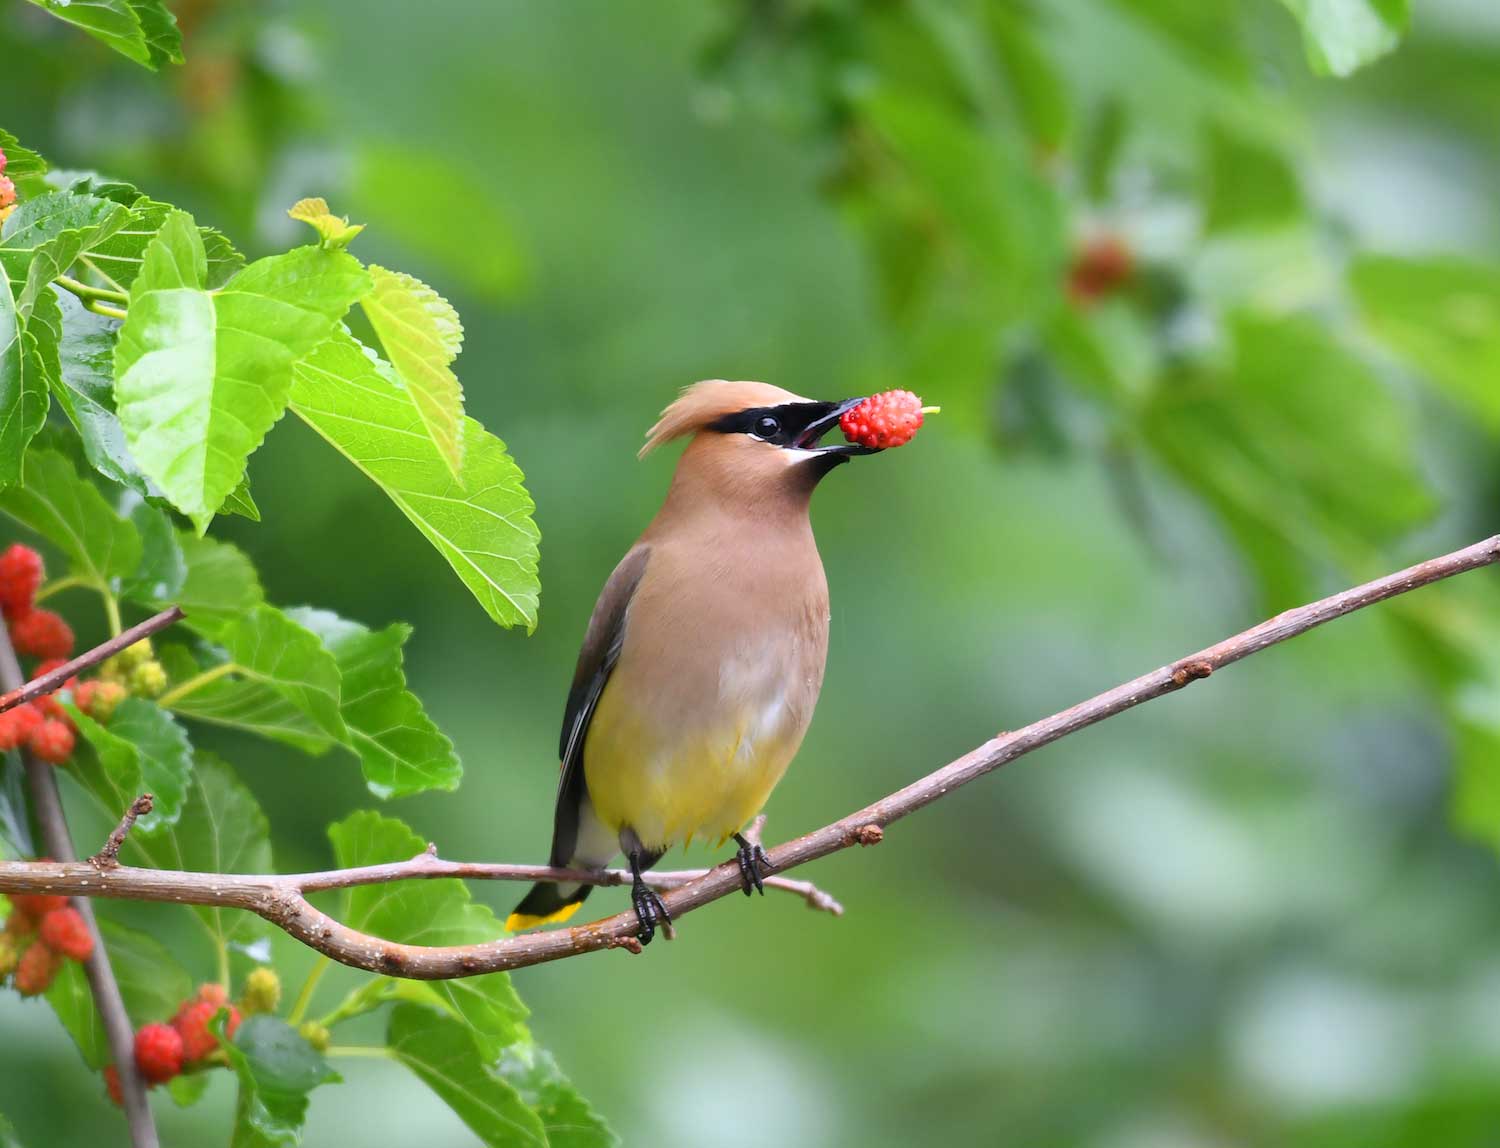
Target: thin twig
pixel 109 856
pixel 84 291
pixel 246 891
pixel 47 807
pixel 282 900
pixel 54 679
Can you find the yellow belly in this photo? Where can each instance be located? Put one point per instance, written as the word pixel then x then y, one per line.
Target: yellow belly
pixel 672 785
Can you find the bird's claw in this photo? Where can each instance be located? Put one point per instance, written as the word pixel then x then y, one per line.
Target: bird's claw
pixel 753 864
pixel 649 911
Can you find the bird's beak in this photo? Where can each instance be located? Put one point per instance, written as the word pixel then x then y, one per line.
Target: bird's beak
pixel 808 439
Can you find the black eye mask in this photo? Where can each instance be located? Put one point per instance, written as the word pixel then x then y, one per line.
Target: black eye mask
pixel 796 426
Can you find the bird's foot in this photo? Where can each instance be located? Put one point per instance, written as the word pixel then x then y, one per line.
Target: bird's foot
pixel 649 911
pixel 753 864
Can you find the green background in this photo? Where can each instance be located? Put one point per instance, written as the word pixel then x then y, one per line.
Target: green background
pixel 1240 916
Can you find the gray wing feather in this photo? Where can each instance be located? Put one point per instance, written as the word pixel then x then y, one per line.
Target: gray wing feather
pixel 596 660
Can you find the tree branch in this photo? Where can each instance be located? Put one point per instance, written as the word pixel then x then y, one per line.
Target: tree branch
pixel 282 900
pixel 20 690
pixel 109 856
pixel 46 806
pixel 260 893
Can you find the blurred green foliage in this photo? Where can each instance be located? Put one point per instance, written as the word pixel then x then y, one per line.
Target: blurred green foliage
pixel 1240 917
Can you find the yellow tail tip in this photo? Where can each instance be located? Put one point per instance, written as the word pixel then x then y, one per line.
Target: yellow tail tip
pixel 518 921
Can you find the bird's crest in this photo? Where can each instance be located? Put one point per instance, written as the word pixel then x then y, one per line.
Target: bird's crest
pixel 705 402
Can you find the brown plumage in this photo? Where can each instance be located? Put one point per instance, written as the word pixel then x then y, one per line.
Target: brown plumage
pixel 704 656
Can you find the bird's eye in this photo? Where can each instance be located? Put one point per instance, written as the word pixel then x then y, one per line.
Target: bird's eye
pixel 767 427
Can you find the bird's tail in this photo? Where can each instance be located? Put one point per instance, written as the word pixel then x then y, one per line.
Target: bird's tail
pixel 547 904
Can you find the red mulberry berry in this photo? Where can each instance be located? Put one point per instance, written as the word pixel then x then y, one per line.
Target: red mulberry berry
pixel 52 741
pixel 1100 266
pixel 888 419
pixel 42 634
pixel 28 719
pixel 158 1052
pixel 37 968
pixel 10 733
pixel 37 905
pixel 65 931
pixel 213 993
pixel 21 574
pixel 112 1085
pixel 191 1024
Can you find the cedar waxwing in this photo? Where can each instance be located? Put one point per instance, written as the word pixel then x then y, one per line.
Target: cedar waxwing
pixel 704 655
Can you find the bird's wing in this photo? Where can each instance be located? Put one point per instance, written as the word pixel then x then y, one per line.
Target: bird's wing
pixel 597 658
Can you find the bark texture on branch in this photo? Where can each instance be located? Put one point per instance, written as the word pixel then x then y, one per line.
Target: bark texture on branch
pixel 20 690
pixel 282 899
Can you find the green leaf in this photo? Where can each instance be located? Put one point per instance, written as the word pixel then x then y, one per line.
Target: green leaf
pixel 221 585
pixel 270 648
pixel 995 210
pixel 15 826
pixel 1099 149
pixel 106 768
pixel 276 1070
pixel 188 1088
pixel 83 182
pixel 142 740
pixel 46 235
pixel 1443 316
pixel 23 167
pixel 152 981
pixel 444 1056
pixel 428 913
pixel 1249 184
pixel 71 513
pixel 1253 441
pixel 85 387
pixel 400 748
pixel 201 376
pixel 23 384
pixel 334 231
pixel 112 22
pixel 221 830
pixel 481 522
pixel 41 239
pixel 118 259
pixel 239 703
pixel 421 334
pixel 1342 36
pixel 50 216
pixel 569 1119
pixel 159 26
pixel 1035 87
pixel 71 1000
pixel 239 502
pixel 152 984
pixel 162 569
